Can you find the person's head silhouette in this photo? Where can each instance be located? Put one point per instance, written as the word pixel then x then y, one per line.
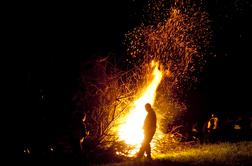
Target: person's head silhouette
pixel 148 107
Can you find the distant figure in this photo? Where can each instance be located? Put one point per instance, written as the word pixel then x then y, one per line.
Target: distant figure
pixel 241 128
pixel 195 132
pixel 204 133
pixel 149 131
pixel 79 135
pixel 212 127
pixel 83 132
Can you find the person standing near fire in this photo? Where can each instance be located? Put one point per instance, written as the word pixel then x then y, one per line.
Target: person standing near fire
pixel 149 131
pixel 212 128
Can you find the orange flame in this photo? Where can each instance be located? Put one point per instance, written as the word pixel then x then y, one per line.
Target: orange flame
pixel 131 131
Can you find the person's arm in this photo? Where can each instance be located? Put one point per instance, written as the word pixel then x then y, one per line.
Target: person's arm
pixel 216 123
pixel 208 124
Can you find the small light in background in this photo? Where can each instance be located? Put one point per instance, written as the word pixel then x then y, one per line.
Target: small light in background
pixel 51 148
pixel 27 151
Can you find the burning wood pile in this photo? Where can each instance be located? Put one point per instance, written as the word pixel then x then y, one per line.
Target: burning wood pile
pixel 165 56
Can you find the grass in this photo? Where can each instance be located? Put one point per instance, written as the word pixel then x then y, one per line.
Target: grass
pixel 239 153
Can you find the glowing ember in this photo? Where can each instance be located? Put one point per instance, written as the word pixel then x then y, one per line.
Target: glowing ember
pixel 131 131
pixel 178 42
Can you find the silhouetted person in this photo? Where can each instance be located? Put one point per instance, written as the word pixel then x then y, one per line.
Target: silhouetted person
pixel 78 137
pixel 204 133
pixel 237 127
pixel 83 133
pixel 149 131
pixel 245 128
pixel 212 128
pixel 195 132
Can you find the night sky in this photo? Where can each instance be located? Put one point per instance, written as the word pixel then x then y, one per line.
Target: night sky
pixel 52 39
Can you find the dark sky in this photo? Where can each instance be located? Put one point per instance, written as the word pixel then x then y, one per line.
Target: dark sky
pixel 51 39
pixel 227 78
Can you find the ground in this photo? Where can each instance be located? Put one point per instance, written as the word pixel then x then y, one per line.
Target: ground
pixel 239 153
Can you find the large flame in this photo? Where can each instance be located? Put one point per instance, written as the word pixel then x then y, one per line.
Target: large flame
pixel 132 130
pixel 177 39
